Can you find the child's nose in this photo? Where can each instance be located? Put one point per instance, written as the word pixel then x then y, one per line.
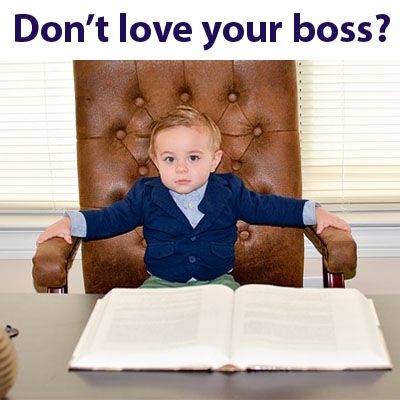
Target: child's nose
pixel 181 167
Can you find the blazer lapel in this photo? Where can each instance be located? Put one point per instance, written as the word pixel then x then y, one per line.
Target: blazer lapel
pixel 214 202
pixel 162 198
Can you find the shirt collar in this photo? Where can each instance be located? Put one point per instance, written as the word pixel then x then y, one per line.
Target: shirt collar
pixel 196 195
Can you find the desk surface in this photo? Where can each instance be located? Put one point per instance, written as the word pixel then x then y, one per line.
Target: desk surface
pixel 50 326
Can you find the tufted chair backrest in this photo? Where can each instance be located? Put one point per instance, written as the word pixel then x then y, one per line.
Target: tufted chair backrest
pixel 255 105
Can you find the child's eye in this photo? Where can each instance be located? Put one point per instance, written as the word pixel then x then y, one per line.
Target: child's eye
pixel 193 157
pixel 169 159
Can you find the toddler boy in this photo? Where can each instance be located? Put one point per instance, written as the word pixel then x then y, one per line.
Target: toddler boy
pixel 189 213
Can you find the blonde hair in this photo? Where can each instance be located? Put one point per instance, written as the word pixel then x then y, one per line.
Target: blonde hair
pixel 185 116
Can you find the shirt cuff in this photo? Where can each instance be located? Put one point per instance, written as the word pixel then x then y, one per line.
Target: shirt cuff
pixel 78 223
pixel 309 215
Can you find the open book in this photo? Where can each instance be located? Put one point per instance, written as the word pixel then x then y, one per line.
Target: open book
pixel 212 327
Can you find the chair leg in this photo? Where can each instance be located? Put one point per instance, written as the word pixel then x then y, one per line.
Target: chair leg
pixel 59 290
pixel 332 280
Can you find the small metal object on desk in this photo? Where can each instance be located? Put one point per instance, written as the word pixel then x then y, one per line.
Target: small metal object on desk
pixel 11 332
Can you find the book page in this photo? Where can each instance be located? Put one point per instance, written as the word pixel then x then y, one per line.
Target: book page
pixel 158 329
pixel 288 328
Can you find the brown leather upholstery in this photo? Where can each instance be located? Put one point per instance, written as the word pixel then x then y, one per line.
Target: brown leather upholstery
pixel 255 105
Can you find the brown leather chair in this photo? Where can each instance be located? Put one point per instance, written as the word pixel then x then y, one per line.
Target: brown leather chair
pixel 255 105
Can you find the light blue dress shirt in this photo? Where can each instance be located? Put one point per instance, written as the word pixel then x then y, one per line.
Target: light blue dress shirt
pixel 189 203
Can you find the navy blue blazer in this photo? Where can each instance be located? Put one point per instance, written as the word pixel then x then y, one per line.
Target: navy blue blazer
pixel 175 250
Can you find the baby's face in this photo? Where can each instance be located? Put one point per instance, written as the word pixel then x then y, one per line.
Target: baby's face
pixel 184 157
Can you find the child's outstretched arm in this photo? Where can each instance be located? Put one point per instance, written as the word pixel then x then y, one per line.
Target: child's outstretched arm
pixel 61 228
pixel 325 219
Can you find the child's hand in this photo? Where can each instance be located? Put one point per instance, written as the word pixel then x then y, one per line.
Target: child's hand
pixel 325 219
pixel 61 228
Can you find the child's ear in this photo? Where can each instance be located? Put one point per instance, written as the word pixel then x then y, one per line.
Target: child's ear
pixel 154 159
pixel 216 160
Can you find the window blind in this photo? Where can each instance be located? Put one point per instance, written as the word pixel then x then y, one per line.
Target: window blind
pixel 349 116
pixel 37 136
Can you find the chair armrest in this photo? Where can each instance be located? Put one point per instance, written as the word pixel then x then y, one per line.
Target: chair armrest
pixel 338 250
pixel 52 261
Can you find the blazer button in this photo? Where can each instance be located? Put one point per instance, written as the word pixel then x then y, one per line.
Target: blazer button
pixel 193 238
pixel 192 259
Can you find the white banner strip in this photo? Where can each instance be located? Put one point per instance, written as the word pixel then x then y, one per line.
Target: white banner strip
pixel 96 29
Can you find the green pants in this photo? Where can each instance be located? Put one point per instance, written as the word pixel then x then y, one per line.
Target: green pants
pixel 156 283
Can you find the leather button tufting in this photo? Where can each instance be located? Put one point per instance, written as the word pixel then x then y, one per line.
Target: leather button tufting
pixel 121 134
pixel 185 97
pixel 257 131
pixel 236 165
pixel 139 101
pixel 232 97
pixel 143 170
pixel 244 235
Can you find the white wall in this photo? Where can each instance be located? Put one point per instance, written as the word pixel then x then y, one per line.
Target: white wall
pixel 374 276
